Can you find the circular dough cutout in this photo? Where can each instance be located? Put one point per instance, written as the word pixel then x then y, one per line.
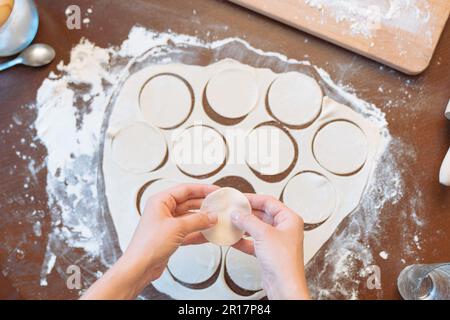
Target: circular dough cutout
pixel 199 151
pixel 269 150
pixel 195 264
pixel 151 188
pixel 243 270
pixel 223 202
pixel 232 93
pixel 166 101
pixel 295 99
pixel 312 196
pixel 341 147
pixel 139 148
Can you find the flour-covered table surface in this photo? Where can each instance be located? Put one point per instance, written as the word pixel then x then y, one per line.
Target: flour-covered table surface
pixel 413 227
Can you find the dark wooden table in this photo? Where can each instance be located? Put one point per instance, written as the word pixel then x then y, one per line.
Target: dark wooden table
pixel 416 120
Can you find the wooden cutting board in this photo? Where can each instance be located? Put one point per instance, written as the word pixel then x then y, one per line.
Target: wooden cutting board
pixel 402 34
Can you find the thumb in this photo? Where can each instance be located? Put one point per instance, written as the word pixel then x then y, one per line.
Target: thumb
pixel 250 224
pixel 197 221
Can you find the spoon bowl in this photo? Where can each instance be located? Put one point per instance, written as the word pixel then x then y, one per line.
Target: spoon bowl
pixel 37 55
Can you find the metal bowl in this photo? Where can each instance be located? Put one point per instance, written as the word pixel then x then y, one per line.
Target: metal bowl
pixel 20 29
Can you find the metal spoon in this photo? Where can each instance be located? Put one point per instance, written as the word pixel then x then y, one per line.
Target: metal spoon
pixel 36 55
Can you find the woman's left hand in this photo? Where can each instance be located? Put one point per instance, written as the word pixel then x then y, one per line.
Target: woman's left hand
pixel 166 224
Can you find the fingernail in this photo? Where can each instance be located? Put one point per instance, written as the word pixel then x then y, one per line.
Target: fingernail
pixel 235 215
pixel 212 217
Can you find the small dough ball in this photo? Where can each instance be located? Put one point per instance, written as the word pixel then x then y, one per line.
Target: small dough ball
pixel 270 150
pixel 223 202
pixel 166 101
pixel 341 147
pixel 232 93
pixel 295 99
pixel 196 263
pixel 310 195
pixel 199 151
pixel 139 148
pixel 243 270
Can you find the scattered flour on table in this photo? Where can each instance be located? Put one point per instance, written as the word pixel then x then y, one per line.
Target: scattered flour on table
pixel 366 16
pixel 71 105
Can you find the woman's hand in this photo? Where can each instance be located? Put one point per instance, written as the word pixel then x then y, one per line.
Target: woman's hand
pixel 166 224
pixel 277 243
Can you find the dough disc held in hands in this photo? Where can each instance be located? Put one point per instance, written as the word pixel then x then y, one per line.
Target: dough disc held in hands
pixel 223 202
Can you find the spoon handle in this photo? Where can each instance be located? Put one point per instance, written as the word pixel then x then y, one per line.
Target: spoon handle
pixel 10 63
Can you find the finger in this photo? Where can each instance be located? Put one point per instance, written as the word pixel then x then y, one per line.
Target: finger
pixel 267 204
pixel 246 246
pixel 194 238
pixel 185 207
pixel 267 218
pixel 184 192
pixel 250 223
pixel 288 219
pixel 258 213
pixel 198 221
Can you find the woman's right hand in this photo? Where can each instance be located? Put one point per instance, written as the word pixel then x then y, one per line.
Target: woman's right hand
pixel 277 243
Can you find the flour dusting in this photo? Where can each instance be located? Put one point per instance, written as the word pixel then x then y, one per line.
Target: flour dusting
pixel 70 110
pixel 366 16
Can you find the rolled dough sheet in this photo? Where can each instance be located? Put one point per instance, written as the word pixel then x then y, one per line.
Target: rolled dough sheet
pixel 243 270
pixel 295 99
pixel 312 196
pixel 223 203
pixel 341 147
pixel 166 101
pixel 232 93
pixel 139 148
pixel 270 150
pixel 122 187
pixel 195 264
pixel 199 150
